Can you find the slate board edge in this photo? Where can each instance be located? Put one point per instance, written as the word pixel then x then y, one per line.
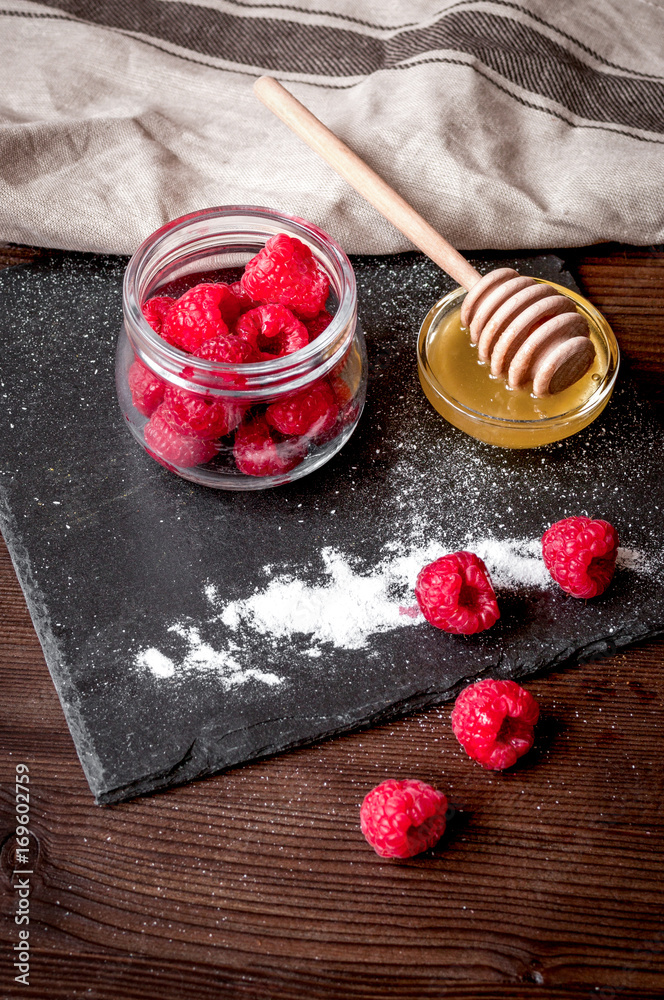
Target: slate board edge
pixel 57 665
pixel 187 769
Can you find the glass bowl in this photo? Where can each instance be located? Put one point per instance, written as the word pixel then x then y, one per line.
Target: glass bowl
pixel 464 392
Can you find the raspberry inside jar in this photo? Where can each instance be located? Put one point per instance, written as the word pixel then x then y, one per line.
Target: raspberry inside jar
pixel 252 372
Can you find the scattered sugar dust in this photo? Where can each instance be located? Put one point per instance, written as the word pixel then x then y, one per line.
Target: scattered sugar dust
pixel 344 609
pixel 340 602
pixel 200 656
pixel 157 662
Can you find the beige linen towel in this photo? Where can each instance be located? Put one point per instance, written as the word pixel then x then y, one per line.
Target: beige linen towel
pixel 507 124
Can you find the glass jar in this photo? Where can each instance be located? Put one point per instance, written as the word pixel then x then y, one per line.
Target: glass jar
pixel 462 390
pixel 213 245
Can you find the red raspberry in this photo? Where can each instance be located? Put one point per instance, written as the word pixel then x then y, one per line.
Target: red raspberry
pixel 147 391
pixel 580 554
pixel 319 323
pixel 273 330
pixel 198 315
pixel 257 453
pixel 170 448
pixel 342 391
pixel 286 271
pixel 231 350
pixel 229 304
pixel 403 818
pixel 312 412
pixel 494 722
pixel 200 416
pixel 155 311
pixel 455 594
pixel 245 301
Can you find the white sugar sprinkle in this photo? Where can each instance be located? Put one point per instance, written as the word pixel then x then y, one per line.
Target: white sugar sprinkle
pixel 201 655
pixel 342 607
pixel 344 610
pixel 155 661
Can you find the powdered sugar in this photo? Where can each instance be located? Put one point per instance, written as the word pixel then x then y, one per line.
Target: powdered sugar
pixel 635 560
pixel 201 656
pixel 155 661
pixel 514 563
pixel 345 608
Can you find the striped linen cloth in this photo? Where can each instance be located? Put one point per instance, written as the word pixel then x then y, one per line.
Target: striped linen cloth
pixel 506 124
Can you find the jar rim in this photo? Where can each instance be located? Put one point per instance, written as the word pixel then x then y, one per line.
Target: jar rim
pixel 335 259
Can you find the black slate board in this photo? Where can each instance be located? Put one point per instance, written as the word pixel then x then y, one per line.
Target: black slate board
pixel 113 551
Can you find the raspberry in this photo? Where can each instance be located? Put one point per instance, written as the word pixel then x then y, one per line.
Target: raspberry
pixel 229 304
pixel 455 594
pixel 155 311
pixel 169 447
pixel 230 349
pixel 246 302
pixel 494 722
pixel 285 271
pixel 257 453
pixel 198 315
pixel 199 416
pixel 342 391
pixel 580 554
pixel 403 818
pixel 147 391
pixel 319 323
pixel 273 330
pixel 312 412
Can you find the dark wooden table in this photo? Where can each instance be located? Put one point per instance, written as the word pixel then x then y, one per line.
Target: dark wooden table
pixel 258 884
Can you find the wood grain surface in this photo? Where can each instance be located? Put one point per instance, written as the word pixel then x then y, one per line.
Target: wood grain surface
pixel 257 883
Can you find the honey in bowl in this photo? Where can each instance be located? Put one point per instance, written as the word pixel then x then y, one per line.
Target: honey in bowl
pixel 462 389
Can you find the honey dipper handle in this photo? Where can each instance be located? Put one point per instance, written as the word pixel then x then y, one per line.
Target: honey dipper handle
pixel 365 180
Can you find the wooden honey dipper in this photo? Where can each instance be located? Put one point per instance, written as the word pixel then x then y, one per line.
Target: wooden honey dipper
pixel 523 328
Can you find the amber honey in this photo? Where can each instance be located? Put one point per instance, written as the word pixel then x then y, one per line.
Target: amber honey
pixel 463 390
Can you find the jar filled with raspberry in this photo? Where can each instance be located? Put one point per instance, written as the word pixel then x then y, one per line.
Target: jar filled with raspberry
pixel 241 364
